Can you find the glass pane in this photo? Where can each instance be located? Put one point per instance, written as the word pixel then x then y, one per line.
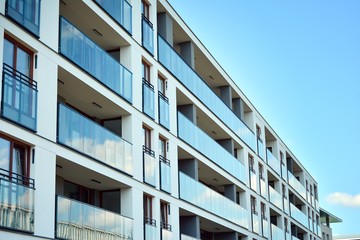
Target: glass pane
pixel 4 154
pixel 8 53
pixel 23 62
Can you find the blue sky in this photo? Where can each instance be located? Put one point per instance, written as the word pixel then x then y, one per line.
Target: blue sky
pixel 299 64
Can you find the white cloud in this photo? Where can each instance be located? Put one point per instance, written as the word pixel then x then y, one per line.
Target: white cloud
pixel 344 199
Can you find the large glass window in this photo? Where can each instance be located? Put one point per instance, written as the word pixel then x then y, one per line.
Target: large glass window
pixel 17 57
pixel 147 207
pixel 147 137
pixel 14 159
pixel 165 212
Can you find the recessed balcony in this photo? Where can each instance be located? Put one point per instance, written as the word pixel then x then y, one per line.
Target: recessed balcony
pixel 25 13
pixel 204 197
pixel 210 148
pixel 77 220
pixel 88 137
pixel 120 10
pixel 171 60
pixel 91 58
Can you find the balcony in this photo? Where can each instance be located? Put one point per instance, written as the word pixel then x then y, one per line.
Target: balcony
pixel 150 229
pixel 171 60
pixel 19 98
pixel 277 233
pixel 275 197
pixel 147 35
pixel 294 238
pixel 273 162
pixel 166 233
pixel 295 184
pixel 204 197
pixel 265 227
pixel 263 188
pixel 91 58
pixel 77 220
pixel 165 174
pixel 26 13
pixel 85 136
pixel 255 222
pixel 260 148
pixel 119 10
pixel 185 237
pixel 16 202
pixel 298 215
pixel 148 99
pixel 284 172
pixel 164 118
pixel 149 163
pixel 199 140
pixel 253 181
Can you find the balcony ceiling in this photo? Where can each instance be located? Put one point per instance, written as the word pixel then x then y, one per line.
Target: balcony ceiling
pixel 81 96
pixel 206 224
pixel 83 176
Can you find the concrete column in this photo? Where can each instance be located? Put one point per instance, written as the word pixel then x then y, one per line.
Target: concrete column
pixel 238 107
pixel 226 95
pixel 230 192
pixel 189 111
pixel 190 167
pixel 165 27
pixel 228 144
pixel 190 225
pixel 187 53
pixel 226 236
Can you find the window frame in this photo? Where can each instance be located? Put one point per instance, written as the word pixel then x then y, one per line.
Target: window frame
pixel 26 162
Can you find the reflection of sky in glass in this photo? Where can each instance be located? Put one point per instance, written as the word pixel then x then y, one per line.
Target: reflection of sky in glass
pixel 94 140
pixel 81 219
pixel 211 200
pixel 4 154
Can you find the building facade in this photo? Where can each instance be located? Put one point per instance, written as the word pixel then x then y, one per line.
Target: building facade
pixel 117 123
pixel 326 219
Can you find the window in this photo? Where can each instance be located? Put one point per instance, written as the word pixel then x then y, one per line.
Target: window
pixel 263 211
pixel 251 163
pixel 77 192
pixel 14 159
pixel 17 57
pixel 284 191
pixel 145 9
pixel 148 215
pixel 147 137
pixel 282 158
pixel 161 85
pixel 258 132
pixel 165 212
pixel 286 225
pixel 146 71
pixel 162 147
pixel 261 172
pixel 253 204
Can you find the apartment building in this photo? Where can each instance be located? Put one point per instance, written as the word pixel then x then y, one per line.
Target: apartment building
pixel 326 219
pixel 117 123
